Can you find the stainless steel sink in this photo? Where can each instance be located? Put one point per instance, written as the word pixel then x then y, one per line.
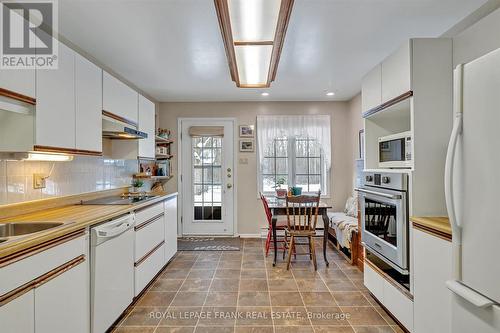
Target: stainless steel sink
pixel 24 228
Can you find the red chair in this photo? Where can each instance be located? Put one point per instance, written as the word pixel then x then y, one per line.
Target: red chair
pixel 280 225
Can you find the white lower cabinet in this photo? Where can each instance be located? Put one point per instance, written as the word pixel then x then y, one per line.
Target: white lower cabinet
pixel 18 315
pixel 391 297
pixel 146 270
pixel 170 228
pixel 50 291
pixel 432 268
pixel 61 304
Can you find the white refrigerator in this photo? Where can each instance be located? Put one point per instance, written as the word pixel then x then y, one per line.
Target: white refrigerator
pixel 472 184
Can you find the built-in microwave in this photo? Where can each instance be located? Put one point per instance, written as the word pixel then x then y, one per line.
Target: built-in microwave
pixel 395 151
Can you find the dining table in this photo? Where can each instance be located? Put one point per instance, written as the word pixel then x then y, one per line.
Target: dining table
pixel 278 207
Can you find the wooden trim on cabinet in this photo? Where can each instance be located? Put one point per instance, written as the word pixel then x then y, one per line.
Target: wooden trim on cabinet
pixel 70 151
pixel 119 118
pixel 26 253
pixel 388 104
pixel 146 223
pixel 431 231
pixel 147 255
pixel 279 38
pixel 59 270
pixel 389 279
pixel 41 280
pixel 18 97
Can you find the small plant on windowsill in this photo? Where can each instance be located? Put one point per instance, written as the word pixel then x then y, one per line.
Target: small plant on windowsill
pixel 137 184
pixel 280 193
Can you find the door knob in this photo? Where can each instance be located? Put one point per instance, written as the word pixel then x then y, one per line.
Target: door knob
pixel 229 185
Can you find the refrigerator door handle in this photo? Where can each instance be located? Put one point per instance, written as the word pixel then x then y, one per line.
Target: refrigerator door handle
pixel 452 146
pixel 469 295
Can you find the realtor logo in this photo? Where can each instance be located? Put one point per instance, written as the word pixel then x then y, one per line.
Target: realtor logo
pixel 27 34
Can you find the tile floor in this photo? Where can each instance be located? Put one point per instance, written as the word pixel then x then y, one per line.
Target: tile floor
pixel 225 292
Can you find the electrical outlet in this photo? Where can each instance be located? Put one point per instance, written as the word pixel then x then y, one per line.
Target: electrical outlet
pixel 38 181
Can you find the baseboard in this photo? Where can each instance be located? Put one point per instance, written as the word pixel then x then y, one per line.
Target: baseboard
pixel 250 236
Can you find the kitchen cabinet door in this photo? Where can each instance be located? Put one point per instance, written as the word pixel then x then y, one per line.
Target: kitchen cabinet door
pixel 19 81
pixel 371 90
pixel 62 303
pixel 396 73
pixel 118 98
pixel 88 103
pixel 18 315
pixel 55 108
pixel 170 228
pixel 147 146
pixel 432 268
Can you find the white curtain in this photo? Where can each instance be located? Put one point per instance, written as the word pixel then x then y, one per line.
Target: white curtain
pixel 315 127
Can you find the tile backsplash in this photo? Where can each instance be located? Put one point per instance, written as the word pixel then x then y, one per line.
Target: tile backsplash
pixel 83 174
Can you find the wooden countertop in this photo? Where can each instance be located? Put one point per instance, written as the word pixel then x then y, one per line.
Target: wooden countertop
pixel 436 226
pixel 74 217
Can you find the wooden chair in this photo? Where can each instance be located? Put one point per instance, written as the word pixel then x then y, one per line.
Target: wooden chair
pixel 280 225
pixel 302 216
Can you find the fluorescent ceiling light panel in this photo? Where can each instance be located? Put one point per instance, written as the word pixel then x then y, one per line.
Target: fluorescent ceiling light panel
pixel 254 20
pixel 253 32
pixel 253 63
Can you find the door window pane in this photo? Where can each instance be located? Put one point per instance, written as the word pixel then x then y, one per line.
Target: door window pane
pixel 207 178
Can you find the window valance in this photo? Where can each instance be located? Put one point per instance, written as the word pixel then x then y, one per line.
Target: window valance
pixel 311 126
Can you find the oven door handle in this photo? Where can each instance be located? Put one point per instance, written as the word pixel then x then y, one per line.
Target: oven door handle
pixel 385 195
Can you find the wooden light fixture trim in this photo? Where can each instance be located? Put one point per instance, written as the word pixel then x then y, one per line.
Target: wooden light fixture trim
pixel 222 9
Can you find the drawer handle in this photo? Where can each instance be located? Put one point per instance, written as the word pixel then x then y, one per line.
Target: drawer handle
pixel 147 255
pixel 151 220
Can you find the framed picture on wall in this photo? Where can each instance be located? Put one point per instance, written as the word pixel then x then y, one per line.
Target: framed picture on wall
pixel 361 143
pixel 247 146
pixel 247 131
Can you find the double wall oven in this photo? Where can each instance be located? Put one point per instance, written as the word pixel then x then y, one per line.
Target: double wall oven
pixel 384 217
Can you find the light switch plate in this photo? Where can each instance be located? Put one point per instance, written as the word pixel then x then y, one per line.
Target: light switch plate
pixel 243 160
pixel 38 181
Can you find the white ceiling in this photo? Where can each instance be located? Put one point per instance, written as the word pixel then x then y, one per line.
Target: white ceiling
pixel 173 51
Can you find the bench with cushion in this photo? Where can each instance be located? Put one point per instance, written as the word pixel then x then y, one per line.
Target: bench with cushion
pixel 343 229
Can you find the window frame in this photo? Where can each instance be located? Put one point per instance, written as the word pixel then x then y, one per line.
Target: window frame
pixel 291 167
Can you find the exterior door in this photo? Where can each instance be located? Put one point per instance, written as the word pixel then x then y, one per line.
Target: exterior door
pixel 207 176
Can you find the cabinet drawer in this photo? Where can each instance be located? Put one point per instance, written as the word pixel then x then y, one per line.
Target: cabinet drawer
pixel 149 234
pixel 399 305
pixel 25 270
pixel 148 213
pixel 148 268
pixel 374 282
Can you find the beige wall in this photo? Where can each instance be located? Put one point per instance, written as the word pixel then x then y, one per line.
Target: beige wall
pixel 477 40
pixel 356 124
pixel 250 212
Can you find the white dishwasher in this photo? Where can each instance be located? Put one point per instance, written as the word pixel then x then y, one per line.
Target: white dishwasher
pixel 112 271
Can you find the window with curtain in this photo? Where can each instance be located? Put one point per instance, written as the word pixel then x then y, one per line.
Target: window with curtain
pixel 294 151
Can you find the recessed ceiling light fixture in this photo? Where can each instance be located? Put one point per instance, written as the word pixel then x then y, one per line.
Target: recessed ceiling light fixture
pixel 331 93
pixel 265 94
pixel 253 34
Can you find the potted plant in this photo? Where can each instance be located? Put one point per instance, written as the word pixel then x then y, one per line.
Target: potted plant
pixel 280 193
pixel 137 184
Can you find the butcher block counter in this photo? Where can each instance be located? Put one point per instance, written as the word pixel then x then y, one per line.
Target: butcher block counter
pixel 73 215
pixel 436 226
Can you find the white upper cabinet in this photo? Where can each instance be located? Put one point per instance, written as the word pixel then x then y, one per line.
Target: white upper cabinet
pixel 147 124
pixel 118 98
pixel 396 73
pixel 55 108
pixel 371 89
pixel 88 101
pixel 19 81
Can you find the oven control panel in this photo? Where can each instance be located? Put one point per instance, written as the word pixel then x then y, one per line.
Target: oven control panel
pixel 389 180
